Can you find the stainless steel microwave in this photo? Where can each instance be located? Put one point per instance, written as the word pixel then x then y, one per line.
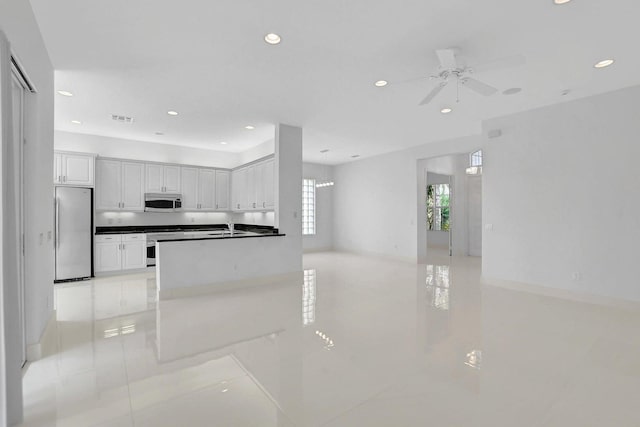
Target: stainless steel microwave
pixel 162 202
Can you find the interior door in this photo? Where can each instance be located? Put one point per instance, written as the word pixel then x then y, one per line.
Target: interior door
pixel 18 100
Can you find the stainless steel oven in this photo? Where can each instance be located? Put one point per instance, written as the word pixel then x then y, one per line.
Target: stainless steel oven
pixel 162 202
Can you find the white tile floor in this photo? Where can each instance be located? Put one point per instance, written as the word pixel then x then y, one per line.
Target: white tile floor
pixel 363 342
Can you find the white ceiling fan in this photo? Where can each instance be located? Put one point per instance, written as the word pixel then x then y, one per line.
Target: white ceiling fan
pixel 452 70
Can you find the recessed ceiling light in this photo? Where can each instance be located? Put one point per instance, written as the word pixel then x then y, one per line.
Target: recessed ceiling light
pixel 326 150
pixel 249 127
pixel 604 63
pixel 223 142
pixel 561 1
pixel 355 156
pixel 512 91
pixel 565 92
pixel 446 110
pixel 76 122
pixel 172 113
pixel 159 133
pixel 272 38
pixel 65 93
pixel 381 83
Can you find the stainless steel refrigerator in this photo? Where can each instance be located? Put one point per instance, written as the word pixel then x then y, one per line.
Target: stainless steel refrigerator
pixel 74 231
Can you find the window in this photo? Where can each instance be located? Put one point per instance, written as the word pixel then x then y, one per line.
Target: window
pixel 476 158
pixel 308 206
pixel 438 207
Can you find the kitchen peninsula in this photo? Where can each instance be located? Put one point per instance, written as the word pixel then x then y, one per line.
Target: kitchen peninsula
pixel 203 263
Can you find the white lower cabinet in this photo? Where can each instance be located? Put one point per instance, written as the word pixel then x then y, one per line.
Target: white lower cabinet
pixel 108 255
pixel 134 251
pixel 116 252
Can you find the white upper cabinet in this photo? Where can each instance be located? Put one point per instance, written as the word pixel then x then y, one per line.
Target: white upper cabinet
pixel 109 185
pixel 119 186
pixel 172 179
pixel 154 178
pixel 268 188
pixel 206 189
pixel 132 186
pixel 189 189
pixel 199 189
pixel 162 179
pixel 253 187
pixel 239 189
pixel 74 169
pixel 57 168
pixel 222 190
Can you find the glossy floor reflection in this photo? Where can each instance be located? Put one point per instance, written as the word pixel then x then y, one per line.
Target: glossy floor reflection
pixel 357 341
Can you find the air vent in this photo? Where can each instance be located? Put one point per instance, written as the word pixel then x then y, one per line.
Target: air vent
pixel 122 119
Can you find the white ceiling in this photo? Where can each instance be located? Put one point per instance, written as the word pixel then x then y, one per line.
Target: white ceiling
pixel 207 60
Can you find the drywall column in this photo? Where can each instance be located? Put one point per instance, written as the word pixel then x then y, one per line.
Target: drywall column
pixel 11 333
pixel 288 182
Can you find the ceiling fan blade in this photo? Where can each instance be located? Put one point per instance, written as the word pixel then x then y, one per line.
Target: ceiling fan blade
pixel 447 59
pixel 508 62
pixel 436 90
pixel 478 86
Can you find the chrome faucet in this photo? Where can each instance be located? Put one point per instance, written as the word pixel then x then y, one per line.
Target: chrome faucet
pixel 230 225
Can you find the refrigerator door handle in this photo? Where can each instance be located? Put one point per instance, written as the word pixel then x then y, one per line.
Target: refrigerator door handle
pixel 57 222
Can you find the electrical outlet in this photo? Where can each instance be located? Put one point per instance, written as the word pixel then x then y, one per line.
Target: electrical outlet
pixel 576 275
pixel 488 227
pixel 49 235
pixel 110 221
pixel 41 238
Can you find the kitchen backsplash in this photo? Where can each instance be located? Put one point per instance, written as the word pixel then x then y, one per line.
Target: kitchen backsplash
pixel 162 218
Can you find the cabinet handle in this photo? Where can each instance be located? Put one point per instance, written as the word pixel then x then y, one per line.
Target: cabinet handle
pixel 216 206
pixel 264 204
pixel 254 205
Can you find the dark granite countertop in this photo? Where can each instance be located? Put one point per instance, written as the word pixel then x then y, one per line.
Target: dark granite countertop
pixel 216 236
pixel 156 229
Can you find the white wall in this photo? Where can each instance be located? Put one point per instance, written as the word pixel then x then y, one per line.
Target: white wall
pixel 259 151
pixel 323 239
pixel 376 199
pixel 560 188
pixel 145 151
pixel 288 182
pixel 19 25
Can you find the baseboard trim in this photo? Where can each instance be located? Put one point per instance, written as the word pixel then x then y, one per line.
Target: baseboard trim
pixel 47 344
pixel 382 256
pixel 192 291
pixel 574 296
